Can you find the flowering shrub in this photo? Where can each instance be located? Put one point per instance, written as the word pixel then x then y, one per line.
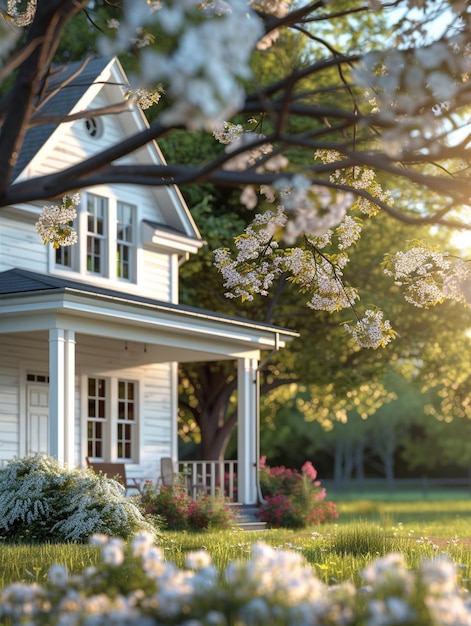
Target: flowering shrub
pixel 179 512
pixel 41 500
pixel 272 586
pixel 293 499
pixel 168 503
pixel 208 512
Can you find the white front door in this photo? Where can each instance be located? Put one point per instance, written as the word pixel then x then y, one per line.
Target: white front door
pixel 37 435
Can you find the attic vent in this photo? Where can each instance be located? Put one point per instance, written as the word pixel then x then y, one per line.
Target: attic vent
pixel 93 126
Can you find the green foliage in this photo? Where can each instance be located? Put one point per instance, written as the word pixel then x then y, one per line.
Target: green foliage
pixel 179 512
pixel 210 513
pixel 357 576
pixel 293 499
pixel 41 500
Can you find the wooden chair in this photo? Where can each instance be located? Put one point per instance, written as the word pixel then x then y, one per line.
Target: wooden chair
pixel 117 471
pixel 168 477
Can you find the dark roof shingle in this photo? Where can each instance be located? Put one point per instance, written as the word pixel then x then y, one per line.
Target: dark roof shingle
pixel 61 103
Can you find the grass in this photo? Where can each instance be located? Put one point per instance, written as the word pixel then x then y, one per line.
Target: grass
pixel 366 529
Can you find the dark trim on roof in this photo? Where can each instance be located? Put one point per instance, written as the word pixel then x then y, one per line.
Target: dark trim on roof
pixel 23 282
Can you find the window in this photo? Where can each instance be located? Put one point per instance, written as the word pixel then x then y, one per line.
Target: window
pixel 107 240
pixel 112 419
pixel 96 417
pixel 124 240
pixel 64 256
pixel 126 419
pixel 97 211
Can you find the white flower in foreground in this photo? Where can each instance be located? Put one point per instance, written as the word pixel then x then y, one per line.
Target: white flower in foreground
pixel 371 331
pixel 141 543
pixel 439 576
pixel 429 276
pixel 58 575
pixel 390 612
pixel 203 81
pixel 389 572
pixel 55 222
pixel 113 552
pixel 198 559
pixel 22 13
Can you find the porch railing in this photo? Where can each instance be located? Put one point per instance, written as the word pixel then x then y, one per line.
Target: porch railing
pixel 210 476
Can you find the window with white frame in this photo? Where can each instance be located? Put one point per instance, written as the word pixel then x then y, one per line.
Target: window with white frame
pixel 126 421
pixel 97 218
pixel 97 418
pixel 112 419
pixel 64 256
pixel 125 240
pixel 107 230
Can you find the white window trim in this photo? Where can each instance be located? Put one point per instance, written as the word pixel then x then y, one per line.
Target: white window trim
pixel 109 275
pixel 131 245
pixel 111 424
pixel 105 238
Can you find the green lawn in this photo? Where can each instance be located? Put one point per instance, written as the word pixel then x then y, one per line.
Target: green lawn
pixel 366 529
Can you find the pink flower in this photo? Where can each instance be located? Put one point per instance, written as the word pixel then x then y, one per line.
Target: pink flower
pixel 309 470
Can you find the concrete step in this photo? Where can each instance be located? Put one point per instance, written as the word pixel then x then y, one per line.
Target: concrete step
pixel 246 518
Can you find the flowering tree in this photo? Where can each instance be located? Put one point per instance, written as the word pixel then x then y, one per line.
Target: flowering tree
pixel 399 111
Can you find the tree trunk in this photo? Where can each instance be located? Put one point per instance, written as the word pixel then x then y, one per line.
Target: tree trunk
pixel 359 461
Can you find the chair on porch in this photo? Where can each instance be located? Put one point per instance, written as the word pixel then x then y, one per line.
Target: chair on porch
pixel 117 471
pixel 168 477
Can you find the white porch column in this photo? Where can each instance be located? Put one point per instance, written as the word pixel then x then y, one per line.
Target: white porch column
pixel 247 425
pixel 61 394
pixel 69 400
pixel 56 393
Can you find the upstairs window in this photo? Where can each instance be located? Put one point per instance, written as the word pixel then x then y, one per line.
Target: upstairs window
pixel 97 214
pixel 64 256
pixel 125 240
pixel 107 240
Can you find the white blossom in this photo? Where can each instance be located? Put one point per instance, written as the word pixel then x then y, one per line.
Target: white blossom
pixel 55 222
pixel 113 552
pixel 58 575
pixel 226 132
pixel 371 331
pixel 198 559
pixel 428 276
pixel 204 82
pixel 22 13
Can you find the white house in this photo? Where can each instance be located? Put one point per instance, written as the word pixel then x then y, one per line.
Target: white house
pixel 91 335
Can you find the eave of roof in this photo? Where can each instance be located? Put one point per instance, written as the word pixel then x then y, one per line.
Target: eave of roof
pixel 17 283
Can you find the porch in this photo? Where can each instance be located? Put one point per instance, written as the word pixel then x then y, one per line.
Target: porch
pixel 212 477
pixel 71 346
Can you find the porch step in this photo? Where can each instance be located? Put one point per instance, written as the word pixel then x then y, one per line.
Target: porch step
pixel 246 518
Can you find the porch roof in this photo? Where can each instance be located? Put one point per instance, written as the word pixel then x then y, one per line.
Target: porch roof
pixel 33 302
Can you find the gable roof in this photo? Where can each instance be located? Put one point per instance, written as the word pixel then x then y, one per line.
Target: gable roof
pixel 71 88
pixel 61 103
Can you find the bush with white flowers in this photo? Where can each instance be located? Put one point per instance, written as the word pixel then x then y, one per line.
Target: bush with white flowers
pixel 41 500
pixel 277 587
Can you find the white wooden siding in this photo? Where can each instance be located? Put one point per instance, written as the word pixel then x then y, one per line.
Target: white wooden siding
pixel 157 279
pixel 20 245
pixel 9 412
pixel 20 354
